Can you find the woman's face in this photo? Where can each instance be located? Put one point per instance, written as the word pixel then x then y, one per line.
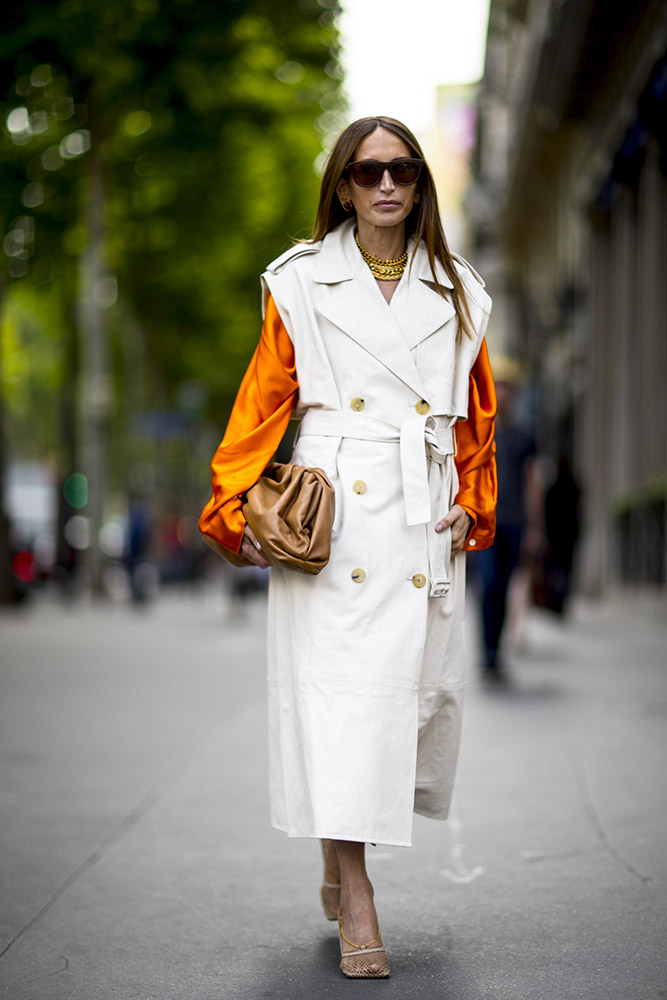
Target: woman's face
pixel 388 203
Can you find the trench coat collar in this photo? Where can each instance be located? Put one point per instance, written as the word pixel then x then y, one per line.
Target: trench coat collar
pixel 358 308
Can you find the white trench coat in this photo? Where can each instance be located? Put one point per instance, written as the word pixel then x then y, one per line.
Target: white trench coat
pixel 365 660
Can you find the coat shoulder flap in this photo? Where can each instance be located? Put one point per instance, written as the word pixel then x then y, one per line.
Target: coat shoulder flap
pixel 464 263
pixel 474 283
pixel 299 250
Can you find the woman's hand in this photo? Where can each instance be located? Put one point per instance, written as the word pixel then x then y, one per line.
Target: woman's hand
pixel 460 522
pixel 251 550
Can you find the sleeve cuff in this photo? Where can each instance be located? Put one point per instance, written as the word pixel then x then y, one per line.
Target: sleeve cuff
pixel 226 531
pixel 470 542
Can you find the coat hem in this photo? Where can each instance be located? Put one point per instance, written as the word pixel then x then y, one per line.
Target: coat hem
pixel 366 839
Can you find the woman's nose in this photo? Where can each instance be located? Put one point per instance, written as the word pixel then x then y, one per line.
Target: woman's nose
pixel 387 182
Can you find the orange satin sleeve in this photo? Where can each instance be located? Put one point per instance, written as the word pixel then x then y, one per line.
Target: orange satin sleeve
pixel 476 455
pixel 259 419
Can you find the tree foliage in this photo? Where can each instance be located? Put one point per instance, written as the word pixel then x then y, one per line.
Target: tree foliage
pixel 205 121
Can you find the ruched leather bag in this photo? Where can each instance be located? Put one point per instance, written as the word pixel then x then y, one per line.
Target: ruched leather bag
pixel 291 511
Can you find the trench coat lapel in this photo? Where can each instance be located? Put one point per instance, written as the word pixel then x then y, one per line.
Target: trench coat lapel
pixel 356 306
pixel 419 308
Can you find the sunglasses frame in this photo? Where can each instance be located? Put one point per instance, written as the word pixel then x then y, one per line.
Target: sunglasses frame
pixel 386 166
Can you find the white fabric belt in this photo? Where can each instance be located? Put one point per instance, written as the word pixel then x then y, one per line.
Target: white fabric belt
pixel 426 451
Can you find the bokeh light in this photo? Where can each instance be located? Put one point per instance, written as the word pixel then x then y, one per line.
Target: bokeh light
pixel 75 144
pixel 23 566
pixel 112 538
pixel 77 532
pixel 137 122
pixel 75 490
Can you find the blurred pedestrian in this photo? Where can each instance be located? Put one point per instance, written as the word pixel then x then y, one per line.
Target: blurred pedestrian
pixel 561 529
pixel 139 534
pixel 519 516
pixel 373 337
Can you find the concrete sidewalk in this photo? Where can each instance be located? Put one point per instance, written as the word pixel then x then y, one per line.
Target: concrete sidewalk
pixel 137 861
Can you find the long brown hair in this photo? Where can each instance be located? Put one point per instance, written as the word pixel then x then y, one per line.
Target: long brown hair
pixel 423 222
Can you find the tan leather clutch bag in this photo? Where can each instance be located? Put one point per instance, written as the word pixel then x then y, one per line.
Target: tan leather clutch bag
pixel 291 511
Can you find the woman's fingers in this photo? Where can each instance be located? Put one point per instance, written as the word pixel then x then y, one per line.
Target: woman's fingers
pixel 251 550
pixel 250 553
pixel 459 521
pixel 250 535
pixel 459 537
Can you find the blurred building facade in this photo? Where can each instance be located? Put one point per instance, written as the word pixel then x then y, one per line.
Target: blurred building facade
pixel 569 212
pixel 455 131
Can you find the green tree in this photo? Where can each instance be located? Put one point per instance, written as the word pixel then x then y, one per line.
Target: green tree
pixel 155 156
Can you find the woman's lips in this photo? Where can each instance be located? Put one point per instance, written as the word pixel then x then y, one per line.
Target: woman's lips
pixel 387 204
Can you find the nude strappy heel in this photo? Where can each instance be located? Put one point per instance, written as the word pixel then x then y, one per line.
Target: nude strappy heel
pixel 329 893
pixel 364 962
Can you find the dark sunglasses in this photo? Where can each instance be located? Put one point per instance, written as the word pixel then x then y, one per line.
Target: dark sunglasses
pixel 367 173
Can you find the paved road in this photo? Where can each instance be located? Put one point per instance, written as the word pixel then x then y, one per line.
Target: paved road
pixel 137 861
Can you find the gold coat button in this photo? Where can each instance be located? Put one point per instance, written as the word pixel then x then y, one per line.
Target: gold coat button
pixel 357 403
pixel 359 486
pixel 422 406
pixel 358 575
pixel 418 580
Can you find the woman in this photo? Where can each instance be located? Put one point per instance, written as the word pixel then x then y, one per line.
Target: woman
pixel 373 337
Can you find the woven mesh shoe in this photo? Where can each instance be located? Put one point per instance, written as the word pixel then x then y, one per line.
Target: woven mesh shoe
pixel 329 892
pixel 330 896
pixel 363 961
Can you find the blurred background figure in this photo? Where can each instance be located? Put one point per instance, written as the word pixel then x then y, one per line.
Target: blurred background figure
pixel 519 516
pixel 552 574
pixel 139 533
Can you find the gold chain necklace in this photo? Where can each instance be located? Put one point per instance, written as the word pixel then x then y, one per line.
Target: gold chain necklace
pixel 384 270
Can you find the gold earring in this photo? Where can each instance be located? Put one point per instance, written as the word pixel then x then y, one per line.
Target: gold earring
pixel 417 198
pixel 347 204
